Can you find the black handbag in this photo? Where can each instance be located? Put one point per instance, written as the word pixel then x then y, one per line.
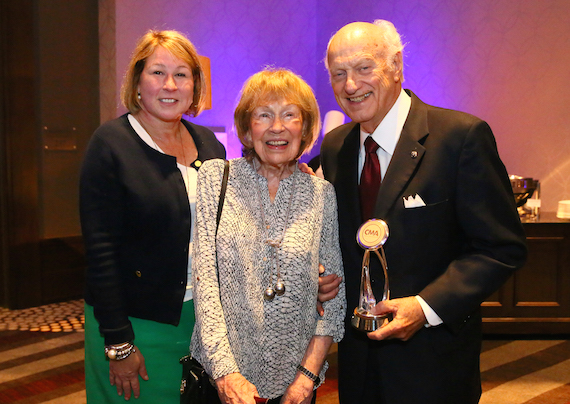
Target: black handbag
pixel 197 387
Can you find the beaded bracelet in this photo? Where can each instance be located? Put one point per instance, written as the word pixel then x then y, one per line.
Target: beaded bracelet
pixel 119 352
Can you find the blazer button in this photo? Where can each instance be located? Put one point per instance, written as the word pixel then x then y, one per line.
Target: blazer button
pixel 138 274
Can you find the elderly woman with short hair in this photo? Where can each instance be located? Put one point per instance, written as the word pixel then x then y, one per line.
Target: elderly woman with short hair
pixel 257 332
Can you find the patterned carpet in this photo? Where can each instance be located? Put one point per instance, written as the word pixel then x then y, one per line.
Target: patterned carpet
pixel 46 365
pixel 41 354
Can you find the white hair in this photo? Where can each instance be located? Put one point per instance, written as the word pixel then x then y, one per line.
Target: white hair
pixel 390 41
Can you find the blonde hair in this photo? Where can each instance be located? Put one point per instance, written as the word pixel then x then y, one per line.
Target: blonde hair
pixel 179 46
pixel 277 84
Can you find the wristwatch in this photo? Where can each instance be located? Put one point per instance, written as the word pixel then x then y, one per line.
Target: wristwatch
pixel 316 379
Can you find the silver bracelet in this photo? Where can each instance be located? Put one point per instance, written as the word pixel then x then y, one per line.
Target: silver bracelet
pixel 119 352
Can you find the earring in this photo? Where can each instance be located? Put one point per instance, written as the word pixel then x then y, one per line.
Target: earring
pixel 139 96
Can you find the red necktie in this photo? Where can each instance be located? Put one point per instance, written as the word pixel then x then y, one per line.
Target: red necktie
pixel 370 179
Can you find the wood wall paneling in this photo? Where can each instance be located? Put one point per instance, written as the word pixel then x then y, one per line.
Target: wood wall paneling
pixel 19 170
pixel 50 105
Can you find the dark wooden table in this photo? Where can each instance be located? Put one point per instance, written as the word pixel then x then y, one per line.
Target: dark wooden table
pixel 536 299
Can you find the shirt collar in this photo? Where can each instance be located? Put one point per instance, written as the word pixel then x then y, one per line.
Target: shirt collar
pixel 387 133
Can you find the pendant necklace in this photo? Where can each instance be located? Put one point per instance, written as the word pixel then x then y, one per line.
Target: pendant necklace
pixel 187 182
pixel 279 287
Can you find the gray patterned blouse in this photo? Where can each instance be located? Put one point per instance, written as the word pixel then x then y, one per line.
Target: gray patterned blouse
pixel 236 329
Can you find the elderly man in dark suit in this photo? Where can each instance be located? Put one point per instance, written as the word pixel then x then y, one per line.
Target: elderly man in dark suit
pixel 454 232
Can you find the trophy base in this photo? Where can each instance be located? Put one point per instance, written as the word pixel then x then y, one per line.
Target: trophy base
pixel 367 322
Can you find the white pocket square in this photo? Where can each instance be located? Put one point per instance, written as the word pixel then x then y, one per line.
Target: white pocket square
pixel 415 201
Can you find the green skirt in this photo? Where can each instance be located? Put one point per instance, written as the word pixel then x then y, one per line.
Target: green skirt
pixel 162 345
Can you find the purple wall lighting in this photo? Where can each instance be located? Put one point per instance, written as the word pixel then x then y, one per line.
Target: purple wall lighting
pixel 241 38
pixel 501 60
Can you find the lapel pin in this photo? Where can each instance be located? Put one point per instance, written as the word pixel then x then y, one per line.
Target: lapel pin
pixel 414 154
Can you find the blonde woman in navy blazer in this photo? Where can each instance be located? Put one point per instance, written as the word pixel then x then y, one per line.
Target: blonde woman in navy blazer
pixel 138 186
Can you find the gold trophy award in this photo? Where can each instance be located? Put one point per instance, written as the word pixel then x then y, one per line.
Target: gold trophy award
pixel 371 236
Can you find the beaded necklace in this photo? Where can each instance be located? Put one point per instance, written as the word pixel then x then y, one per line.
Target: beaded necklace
pixel 279 287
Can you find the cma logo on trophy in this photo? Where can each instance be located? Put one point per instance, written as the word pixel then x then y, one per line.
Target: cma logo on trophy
pixel 371 233
pixel 371 236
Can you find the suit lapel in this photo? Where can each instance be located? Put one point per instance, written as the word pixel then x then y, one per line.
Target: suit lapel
pixel 407 156
pixel 347 176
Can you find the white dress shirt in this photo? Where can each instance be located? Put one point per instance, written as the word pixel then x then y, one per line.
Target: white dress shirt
pixel 387 134
pixel 190 177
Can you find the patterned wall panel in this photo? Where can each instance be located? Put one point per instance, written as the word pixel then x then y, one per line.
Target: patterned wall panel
pixel 502 60
pixel 239 37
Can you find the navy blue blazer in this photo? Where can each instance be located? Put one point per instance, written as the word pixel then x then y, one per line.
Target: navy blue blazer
pixel 454 252
pixel 135 219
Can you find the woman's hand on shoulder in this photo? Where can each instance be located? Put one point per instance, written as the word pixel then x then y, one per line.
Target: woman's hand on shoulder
pixel 124 374
pixel 304 167
pixel 236 389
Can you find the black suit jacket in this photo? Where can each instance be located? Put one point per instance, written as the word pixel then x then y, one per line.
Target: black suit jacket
pixel 135 220
pixel 454 252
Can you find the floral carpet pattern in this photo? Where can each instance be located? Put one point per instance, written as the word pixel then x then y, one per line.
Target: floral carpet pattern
pixel 41 361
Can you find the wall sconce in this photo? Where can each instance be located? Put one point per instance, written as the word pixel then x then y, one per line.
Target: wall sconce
pixel 205 62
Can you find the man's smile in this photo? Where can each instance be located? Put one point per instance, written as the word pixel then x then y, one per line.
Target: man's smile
pixel 360 98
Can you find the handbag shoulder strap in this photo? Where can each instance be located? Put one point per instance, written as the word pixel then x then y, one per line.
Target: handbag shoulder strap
pixel 188 361
pixel 222 193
